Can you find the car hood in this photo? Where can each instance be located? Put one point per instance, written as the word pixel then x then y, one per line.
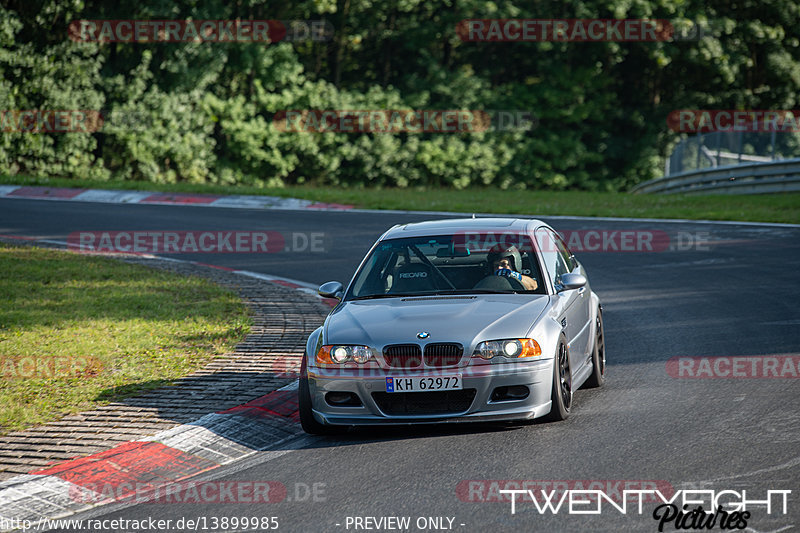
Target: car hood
pixel 463 319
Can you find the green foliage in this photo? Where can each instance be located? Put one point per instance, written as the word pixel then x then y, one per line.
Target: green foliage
pixel 203 112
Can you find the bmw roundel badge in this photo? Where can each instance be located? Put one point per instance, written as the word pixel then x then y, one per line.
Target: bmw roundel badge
pixel 423 335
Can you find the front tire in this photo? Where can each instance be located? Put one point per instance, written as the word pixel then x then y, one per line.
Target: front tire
pixel 307 420
pixel 598 377
pixel 561 392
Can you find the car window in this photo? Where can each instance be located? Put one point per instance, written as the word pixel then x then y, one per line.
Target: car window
pixel 437 265
pixel 564 251
pixel 554 255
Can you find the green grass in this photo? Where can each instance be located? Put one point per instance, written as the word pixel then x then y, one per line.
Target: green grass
pixel 782 207
pixel 79 331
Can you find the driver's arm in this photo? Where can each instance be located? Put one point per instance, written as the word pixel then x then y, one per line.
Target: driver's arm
pixel 529 283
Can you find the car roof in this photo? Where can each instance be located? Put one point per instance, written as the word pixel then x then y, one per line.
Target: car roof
pixel 455 225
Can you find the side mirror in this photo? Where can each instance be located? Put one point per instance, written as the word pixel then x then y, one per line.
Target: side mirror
pixel 571 281
pixel 332 289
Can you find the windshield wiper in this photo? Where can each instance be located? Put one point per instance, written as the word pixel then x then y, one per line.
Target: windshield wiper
pixel 394 295
pixel 475 291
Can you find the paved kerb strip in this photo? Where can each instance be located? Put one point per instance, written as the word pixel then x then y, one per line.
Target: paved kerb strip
pixel 238 404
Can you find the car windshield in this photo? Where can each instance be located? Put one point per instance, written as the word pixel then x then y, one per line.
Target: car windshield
pixel 444 264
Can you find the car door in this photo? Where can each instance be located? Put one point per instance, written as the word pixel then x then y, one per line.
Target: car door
pixel 582 313
pixel 567 302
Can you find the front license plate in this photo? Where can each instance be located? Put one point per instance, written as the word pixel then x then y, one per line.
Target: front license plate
pixel 423 383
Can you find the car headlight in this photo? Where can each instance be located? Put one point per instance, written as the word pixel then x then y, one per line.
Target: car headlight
pixel 508 348
pixel 336 354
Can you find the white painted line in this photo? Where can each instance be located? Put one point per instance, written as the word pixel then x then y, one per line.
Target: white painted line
pixel 22 478
pixel 699 262
pixel 303 286
pixel 171 259
pixel 206 436
pixel 256 458
pixel 111 196
pixel 676 221
pixel 270 277
pixel 197 439
pixel 261 202
pixel 294 385
pixel 36 497
pixel 298 204
pixel 458 214
pixel 33 497
pixel 50 241
pixel 43 198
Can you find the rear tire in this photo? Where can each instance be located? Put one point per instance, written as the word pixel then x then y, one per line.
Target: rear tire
pixel 561 391
pixel 307 420
pixel 598 376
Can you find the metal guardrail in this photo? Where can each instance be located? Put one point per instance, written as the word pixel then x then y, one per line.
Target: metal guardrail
pixel 755 178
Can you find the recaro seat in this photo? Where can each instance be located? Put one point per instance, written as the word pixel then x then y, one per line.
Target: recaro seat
pixel 413 277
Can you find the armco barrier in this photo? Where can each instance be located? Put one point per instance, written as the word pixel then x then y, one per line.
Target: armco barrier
pixel 755 178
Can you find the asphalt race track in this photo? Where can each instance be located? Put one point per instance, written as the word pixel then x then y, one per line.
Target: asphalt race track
pixel 724 290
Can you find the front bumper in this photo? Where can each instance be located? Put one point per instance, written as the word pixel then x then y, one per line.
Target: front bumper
pixel 537 376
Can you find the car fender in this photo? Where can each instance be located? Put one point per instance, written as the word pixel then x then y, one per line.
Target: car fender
pixel 312 343
pixel 547 332
pixel 595 306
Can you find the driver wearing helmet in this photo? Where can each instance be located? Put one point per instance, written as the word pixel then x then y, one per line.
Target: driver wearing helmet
pixel 508 262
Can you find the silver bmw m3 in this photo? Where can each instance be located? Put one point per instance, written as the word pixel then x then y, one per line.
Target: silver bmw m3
pixel 456 320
